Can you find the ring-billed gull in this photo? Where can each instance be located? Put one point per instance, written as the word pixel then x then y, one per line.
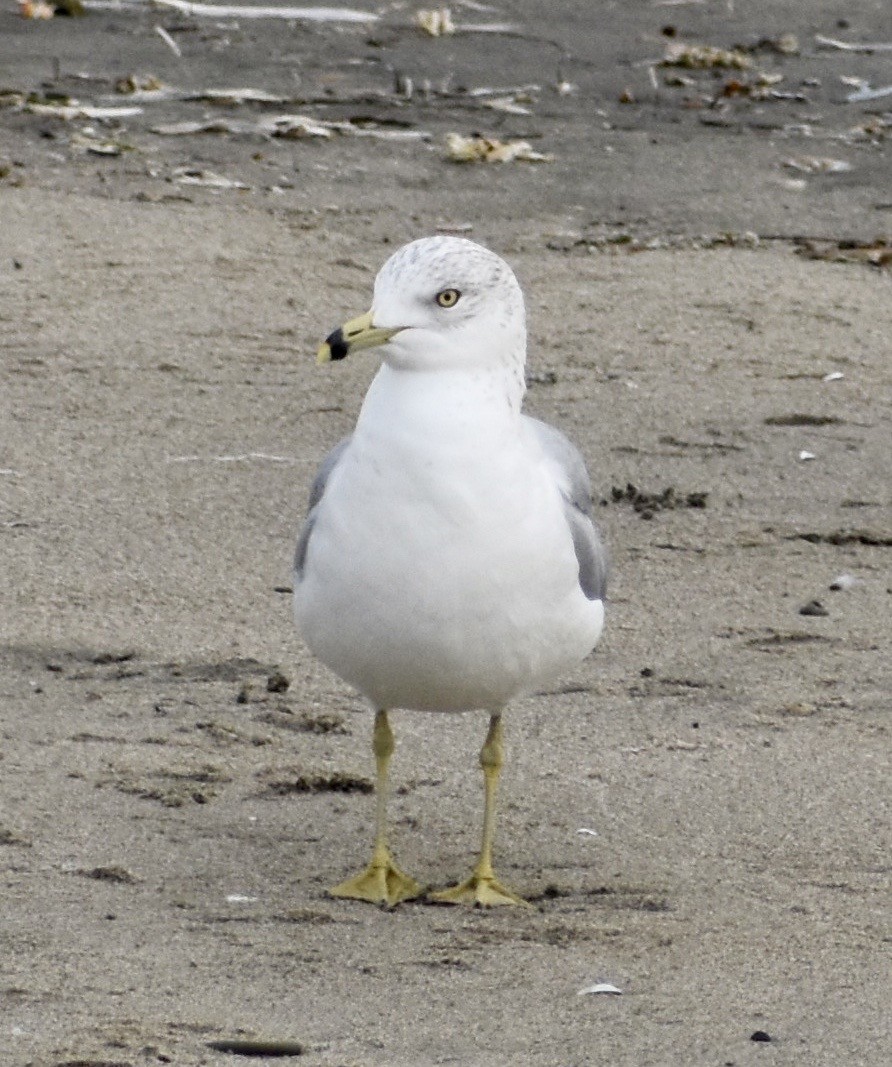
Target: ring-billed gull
pixel 449 561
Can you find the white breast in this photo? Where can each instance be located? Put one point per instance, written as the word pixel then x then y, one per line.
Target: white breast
pixel 451 530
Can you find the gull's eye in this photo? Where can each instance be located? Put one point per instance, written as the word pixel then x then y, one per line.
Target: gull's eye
pixel 448 298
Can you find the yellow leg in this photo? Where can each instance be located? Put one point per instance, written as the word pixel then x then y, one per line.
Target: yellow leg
pixel 483 887
pixel 382 882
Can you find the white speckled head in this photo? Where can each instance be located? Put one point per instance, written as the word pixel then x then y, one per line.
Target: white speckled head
pixel 454 303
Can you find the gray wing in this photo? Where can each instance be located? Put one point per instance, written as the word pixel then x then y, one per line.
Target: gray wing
pixel 317 491
pixel 576 489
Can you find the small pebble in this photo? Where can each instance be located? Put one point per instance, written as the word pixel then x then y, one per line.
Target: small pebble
pixel 253 1047
pixel 760 1035
pixel 799 708
pixel 545 377
pixel 277 683
pixel 815 608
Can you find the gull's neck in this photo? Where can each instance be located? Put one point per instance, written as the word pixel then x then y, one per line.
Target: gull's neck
pixel 438 402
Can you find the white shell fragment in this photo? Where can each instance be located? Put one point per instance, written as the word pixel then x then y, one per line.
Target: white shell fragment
pixel 169 41
pixel 833 376
pixel 844 581
pixel 240 457
pixel 293 14
pixel 290 127
pixel 600 987
pixel 508 105
pixel 238 898
pixel 234 97
pixel 75 110
pixel 805 455
pixel 818 165
pixel 476 149
pixel 865 92
pixel 588 833
pixel 852 46
pixel 206 178
pixel 437 23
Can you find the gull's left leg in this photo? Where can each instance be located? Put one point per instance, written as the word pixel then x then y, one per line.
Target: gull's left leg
pixel 382 882
pixel 483 887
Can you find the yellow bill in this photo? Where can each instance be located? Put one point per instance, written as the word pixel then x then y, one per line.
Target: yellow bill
pixel 353 335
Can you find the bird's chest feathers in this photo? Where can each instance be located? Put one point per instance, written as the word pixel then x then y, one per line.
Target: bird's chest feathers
pixel 407 482
pixel 426 487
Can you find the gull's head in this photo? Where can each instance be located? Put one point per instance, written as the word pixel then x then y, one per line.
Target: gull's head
pixel 440 303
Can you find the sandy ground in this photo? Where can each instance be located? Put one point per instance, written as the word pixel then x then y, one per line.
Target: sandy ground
pixel 169 825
